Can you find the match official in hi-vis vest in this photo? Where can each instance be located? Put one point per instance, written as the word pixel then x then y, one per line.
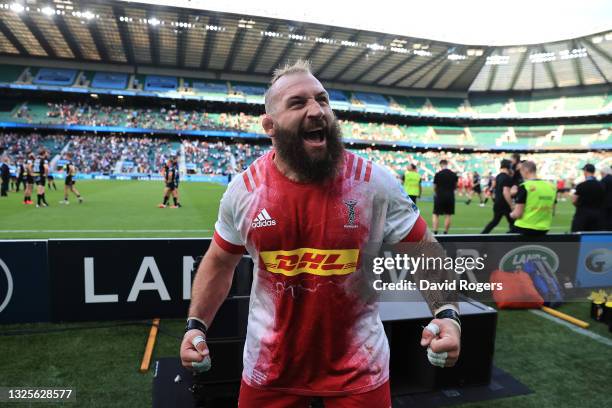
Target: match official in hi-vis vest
pixel 535 203
pixel 412 183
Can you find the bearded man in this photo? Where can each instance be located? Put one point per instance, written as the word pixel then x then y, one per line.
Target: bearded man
pixel 305 212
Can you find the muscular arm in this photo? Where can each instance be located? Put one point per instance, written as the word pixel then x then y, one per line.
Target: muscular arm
pixel 212 282
pixel 444 347
pixel 431 248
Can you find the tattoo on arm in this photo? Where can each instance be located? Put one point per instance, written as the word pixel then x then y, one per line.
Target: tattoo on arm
pixel 431 248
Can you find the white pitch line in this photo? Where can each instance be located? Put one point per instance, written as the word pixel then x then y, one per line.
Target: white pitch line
pixel 102 230
pixel 574 328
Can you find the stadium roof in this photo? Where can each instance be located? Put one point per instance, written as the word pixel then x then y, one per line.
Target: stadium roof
pixel 200 40
pixel 480 22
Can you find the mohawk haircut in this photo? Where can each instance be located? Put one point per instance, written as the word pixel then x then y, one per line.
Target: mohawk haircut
pixel 298 67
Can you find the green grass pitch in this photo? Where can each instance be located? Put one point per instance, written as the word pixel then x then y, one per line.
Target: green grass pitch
pixel 122 209
pixel 563 368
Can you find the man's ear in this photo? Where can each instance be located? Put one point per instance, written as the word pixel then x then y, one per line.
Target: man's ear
pixel 268 124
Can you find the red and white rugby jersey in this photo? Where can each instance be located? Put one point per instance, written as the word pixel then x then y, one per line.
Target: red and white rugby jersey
pixel 308 330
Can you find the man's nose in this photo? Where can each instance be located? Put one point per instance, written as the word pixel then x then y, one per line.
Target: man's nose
pixel 315 111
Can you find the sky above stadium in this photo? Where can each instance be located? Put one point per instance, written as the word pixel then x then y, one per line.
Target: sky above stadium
pixel 473 22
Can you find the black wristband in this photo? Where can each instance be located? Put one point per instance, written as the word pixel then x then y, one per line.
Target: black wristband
pixel 196 324
pixel 449 314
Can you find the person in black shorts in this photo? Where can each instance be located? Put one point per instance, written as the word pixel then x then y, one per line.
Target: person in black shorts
pixel 175 192
pixel 502 200
pixel 588 199
pixel 70 171
pixel 475 189
pixel 169 172
pixel 41 171
pixel 29 179
pixel 445 184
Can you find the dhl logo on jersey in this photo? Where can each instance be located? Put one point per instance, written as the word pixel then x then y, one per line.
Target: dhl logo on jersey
pixel 323 262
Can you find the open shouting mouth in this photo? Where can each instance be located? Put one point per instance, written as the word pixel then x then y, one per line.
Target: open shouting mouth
pixel 315 137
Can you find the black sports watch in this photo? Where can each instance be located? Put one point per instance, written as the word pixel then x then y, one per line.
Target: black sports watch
pixel 196 324
pixel 449 314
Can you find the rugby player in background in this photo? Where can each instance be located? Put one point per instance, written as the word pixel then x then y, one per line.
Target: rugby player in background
pixel 169 173
pixel 29 179
pixel 175 192
pixel 70 171
pixel 308 334
pixel 41 171
pixel 475 188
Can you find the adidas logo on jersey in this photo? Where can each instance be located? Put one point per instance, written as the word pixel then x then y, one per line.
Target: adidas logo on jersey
pixel 263 219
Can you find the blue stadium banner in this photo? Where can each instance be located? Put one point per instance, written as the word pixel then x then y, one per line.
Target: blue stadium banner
pixel 121 278
pixel 595 261
pixel 24 282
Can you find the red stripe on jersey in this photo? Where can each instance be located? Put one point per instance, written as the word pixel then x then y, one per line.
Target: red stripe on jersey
pixel 228 246
pixel 247 182
pixel 358 171
pixel 260 167
pixel 368 172
pixel 254 174
pixel 349 166
pixel 417 231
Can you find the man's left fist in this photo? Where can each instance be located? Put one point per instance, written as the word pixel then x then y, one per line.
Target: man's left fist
pixel 442 337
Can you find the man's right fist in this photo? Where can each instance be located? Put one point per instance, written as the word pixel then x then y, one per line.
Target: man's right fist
pixel 194 351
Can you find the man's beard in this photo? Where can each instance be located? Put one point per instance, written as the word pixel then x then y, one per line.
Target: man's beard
pixel 290 147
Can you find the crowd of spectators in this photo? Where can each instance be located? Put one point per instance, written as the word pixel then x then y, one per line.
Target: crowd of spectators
pixel 219 158
pixel 174 119
pixel 113 154
pixel 16 146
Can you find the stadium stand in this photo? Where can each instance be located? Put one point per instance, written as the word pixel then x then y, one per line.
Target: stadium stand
pixel 446 105
pixel 10 73
pixel 55 76
pixel 478 103
pixel 109 80
pixel 338 99
pixel 160 83
pixel 488 104
pixel 146 155
pixel 249 90
pixel 211 89
pixel 176 120
pixel 372 102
